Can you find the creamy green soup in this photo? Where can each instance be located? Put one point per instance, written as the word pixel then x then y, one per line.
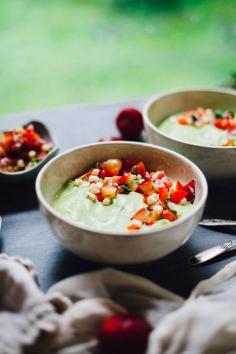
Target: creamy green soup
pixel 72 202
pixel 208 135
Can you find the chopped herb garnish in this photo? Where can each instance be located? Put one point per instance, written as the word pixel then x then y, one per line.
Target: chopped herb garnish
pixel 194 118
pixel 34 161
pixel 218 114
pixel 127 188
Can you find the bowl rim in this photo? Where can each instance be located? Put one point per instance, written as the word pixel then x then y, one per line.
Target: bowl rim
pixel 141 233
pixel 42 162
pixel 153 98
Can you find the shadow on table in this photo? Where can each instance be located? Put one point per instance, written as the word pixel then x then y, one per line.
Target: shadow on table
pixel 171 272
pixel 17 197
pixel 221 199
pixel 65 265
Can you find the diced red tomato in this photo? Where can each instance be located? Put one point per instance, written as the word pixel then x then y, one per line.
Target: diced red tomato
pixel 168 184
pixel 38 145
pixel 189 188
pixel 160 174
pixel 128 164
pixel 178 196
pixel 224 123
pixel 132 227
pixel 163 194
pixel 169 215
pixel 108 173
pixel 140 169
pixel 99 197
pixel 179 186
pixel 123 179
pixel 146 186
pixel 102 173
pixel 182 120
pixel 8 141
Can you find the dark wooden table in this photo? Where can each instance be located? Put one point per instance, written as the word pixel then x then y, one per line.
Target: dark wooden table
pixel 25 232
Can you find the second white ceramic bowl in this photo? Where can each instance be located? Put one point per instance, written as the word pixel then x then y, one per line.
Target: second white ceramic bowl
pixel 135 247
pixel 215 162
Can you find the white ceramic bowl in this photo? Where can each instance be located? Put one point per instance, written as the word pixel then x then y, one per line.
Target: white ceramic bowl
pixel 135 247
pixel 215 162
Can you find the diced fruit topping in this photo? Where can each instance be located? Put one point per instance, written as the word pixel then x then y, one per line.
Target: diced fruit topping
pixel 160 193
pixel 169 215
pixel 22 148
pixel 129 122
pixel 178 195
pixel 134 225
pixel 139 169
pixel 145 216
pixel 123 334
pixel 108 191
pixel 141 215
pixel 163 193
pixel 146 186
pixel 111 165
pixel 200 117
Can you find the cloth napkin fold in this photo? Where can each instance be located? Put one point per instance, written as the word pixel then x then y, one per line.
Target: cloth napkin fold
pixel 69 315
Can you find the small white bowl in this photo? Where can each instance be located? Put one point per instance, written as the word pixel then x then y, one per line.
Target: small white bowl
pixel 215 162
pixel 135 247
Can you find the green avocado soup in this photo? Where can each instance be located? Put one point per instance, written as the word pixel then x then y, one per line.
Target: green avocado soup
pixel 72 202
pixel 208 135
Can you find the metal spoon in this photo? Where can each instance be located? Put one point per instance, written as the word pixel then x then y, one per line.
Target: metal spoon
pixel 217 222
pixel 211 253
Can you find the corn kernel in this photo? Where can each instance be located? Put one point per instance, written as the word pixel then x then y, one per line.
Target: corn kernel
pixel 106 201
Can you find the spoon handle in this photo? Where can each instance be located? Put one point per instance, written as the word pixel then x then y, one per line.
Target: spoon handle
pixel 217 222
pixel 211 253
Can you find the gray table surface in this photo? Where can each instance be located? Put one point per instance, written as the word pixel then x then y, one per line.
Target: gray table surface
pixel 25 232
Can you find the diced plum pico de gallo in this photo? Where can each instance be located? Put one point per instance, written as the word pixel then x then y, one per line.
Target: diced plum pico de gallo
pixel 21 149
pixel 200 117
pixel 113 177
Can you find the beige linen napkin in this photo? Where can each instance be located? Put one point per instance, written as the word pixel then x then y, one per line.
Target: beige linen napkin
pixel 26 316
pixel 205 323
pixel 66 320
pixel 97 296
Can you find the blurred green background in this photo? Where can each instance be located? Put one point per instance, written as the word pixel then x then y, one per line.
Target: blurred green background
pixel 60 52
